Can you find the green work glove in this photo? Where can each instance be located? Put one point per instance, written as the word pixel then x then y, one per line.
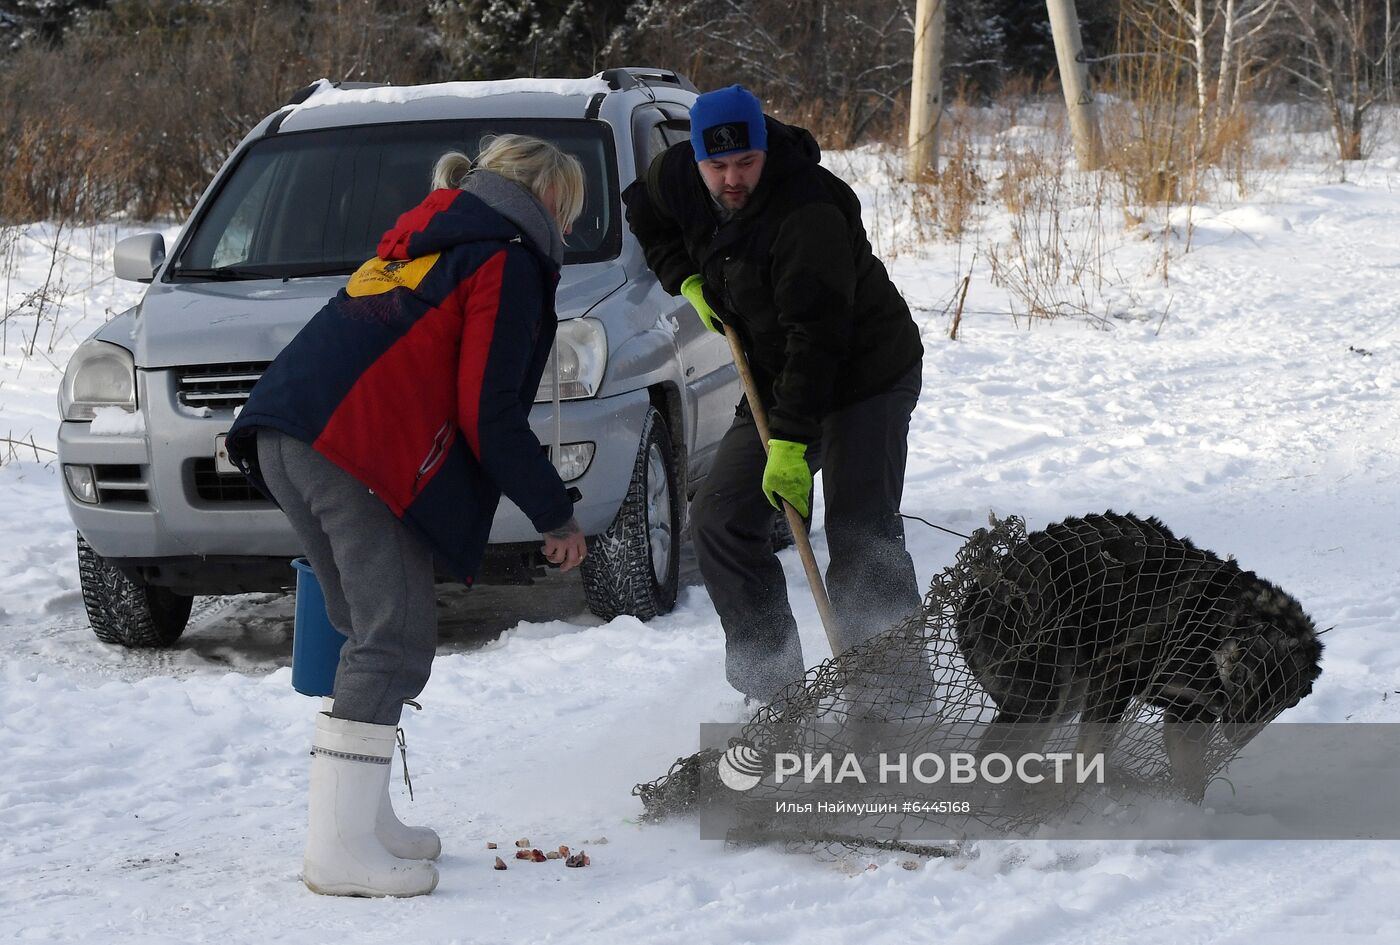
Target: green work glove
pixel 787 476
pixel 693 288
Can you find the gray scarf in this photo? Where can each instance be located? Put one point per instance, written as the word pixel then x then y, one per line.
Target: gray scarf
pixel 515 202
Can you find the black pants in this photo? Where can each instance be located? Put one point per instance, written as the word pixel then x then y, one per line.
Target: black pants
pixel 870 578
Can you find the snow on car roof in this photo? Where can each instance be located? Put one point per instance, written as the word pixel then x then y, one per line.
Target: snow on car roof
pixel 398 94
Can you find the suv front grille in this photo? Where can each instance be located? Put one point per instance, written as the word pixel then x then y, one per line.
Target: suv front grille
pixel 218 386
pixel 214 486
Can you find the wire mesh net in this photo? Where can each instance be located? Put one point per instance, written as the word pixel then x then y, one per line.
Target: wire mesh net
pixel 1102 634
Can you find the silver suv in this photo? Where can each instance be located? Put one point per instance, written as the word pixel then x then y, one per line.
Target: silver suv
pixel 644 392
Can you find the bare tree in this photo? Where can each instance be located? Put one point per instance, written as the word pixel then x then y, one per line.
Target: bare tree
pixel 1389 55
pixel 1242 23
pixel 1198 19
pixel 1221 35
pixel 1347 48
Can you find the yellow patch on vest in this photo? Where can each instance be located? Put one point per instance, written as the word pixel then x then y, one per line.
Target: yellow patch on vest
pixel 381 275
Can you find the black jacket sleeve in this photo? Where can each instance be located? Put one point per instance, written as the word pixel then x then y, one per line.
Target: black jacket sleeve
pixel 814 289
pixel 657 230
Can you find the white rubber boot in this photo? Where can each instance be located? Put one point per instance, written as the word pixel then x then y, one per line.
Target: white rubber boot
pixel 405 842
pixel 349 775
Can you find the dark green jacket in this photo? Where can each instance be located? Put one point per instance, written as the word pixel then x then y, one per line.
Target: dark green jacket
pixel 792 272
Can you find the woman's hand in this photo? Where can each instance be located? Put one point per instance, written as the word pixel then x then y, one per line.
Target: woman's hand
pixel 565 545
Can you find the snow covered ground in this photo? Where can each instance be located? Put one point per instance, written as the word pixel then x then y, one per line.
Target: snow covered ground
pixel 1250 401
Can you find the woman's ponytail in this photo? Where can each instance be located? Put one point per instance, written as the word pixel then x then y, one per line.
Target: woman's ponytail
pixel 451 170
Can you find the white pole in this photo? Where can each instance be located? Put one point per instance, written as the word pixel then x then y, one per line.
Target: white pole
pixel 926 93
pixel 1074 78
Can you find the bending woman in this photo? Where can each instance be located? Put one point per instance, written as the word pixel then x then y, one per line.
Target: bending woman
pixel 387 431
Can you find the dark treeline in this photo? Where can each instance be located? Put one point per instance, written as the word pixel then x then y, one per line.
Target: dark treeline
pixel 128 106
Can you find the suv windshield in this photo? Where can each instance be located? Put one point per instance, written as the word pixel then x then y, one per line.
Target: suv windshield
pixel 317 202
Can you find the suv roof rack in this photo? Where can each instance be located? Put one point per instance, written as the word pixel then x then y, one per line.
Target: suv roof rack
pixel 321 85
pixel 630 77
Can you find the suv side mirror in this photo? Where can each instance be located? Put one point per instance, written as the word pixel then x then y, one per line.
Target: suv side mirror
pixel 137 258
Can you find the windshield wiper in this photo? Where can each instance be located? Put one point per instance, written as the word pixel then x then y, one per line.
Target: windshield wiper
pixel 329 269
pixel 286 271
pixel 227 273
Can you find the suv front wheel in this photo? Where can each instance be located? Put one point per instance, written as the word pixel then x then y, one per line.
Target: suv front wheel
pixel 634 567
pixel 126 612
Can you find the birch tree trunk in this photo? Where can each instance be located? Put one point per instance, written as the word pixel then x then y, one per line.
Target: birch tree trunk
pixel 1197 27
pixel 1224 100
pixel 1198 40
pixel 1241 22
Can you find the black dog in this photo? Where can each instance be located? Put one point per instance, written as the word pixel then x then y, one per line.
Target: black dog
pixel 1110 613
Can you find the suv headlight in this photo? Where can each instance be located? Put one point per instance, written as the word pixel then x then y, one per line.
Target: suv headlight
pixel 583 356
pixel 99 374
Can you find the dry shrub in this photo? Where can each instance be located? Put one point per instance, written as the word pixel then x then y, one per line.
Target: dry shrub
pixel 1016 92
pixel 843 124
pixel 945 200
pixel 1232 149
pixel 1161 149
pixel 60 166
pixel 829 124
pixel 134 113
pixel 1029 177
pixel 960 184
pixel 956 193
pixel 140 105
pixel 904 211
pixel 1052 262
pixel 1149 127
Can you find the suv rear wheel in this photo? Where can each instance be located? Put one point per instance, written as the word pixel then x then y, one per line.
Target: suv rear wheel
pixel 125 612
pixel 634 567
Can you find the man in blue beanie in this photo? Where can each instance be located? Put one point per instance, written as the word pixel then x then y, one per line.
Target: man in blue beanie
pixel 764 241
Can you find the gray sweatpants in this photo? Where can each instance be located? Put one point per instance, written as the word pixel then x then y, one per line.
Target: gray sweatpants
pixel 376 573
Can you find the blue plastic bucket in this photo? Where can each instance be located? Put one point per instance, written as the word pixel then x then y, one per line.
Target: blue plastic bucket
pixel 315 642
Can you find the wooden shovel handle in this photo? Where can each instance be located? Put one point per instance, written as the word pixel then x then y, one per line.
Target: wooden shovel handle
pixel 794 519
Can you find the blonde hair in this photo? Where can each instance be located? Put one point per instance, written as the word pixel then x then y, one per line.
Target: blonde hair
pixel 537 165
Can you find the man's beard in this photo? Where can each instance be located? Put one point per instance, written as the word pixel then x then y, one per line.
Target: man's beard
pixel 727 198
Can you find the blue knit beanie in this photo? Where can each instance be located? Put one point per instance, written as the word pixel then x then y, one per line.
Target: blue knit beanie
pixel 727 120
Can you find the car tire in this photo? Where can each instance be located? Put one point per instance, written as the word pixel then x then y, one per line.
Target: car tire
pixel 634 567
pixel 126 612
